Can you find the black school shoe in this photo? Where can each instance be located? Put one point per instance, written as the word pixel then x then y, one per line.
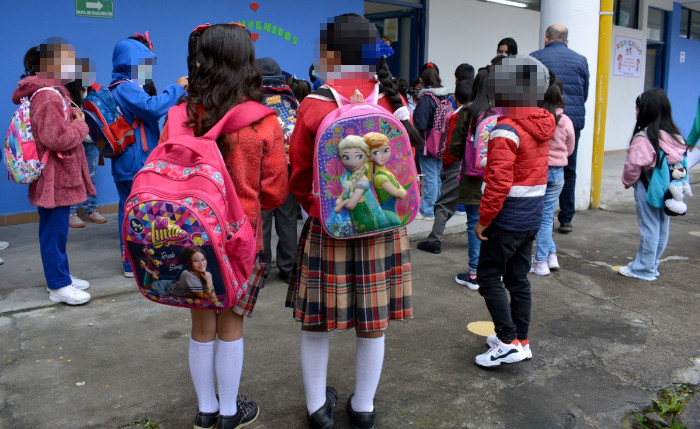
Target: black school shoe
pixel 247 413
pixel 205 420
pixel 427 247
pixel 324 417
pixel 360 419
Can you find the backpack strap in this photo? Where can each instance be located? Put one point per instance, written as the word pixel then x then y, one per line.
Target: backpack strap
pixel 137 120
pixel 342 101
pixel 237 118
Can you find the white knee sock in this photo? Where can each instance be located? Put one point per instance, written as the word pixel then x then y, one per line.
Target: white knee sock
pixel 369 358
pixel 314 367
pixel 202 371
pixel 229 365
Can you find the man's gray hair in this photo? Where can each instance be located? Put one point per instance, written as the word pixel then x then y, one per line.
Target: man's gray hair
pixel 555 32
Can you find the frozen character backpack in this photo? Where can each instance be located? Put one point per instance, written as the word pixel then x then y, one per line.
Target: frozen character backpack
pixel 19 149
pixel 280 98
pixel 476 147
pixel 109 130
pixel 183 196
pixel 436 138
pixel 364 169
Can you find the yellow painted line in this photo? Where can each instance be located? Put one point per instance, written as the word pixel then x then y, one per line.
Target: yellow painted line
pixel 481 328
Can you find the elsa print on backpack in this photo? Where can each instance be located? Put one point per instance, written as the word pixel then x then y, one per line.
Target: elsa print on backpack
pixel 364 175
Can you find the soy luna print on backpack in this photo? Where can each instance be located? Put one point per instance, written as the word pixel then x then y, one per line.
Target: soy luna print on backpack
pixel 182 197
pixel 364 169
pixel 476 148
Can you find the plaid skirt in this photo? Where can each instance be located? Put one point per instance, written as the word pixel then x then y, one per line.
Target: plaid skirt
pixel 359 283
pixel 256 281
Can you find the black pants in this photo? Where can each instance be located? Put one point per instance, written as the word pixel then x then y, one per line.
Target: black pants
pixel 506 254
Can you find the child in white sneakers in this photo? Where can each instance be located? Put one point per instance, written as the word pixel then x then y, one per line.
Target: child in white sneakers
pixel 560 147
pixel 510 213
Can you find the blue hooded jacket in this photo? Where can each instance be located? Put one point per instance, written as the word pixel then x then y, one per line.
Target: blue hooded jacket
pixel 572 68
pixel 135 103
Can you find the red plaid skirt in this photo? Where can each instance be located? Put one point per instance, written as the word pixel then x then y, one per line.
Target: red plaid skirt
pixel 246 305
pixel 358 283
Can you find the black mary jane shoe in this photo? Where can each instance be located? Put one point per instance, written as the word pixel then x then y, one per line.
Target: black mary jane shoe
pixel 205 420
pixel 361 419
pixel 324 417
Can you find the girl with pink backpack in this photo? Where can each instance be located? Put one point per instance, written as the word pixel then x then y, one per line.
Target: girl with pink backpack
pixel 222 77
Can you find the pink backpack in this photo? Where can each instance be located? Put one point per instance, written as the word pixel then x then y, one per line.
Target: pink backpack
pixel 183 196
pixel 377 210
pixel 476 147
pixel 436 138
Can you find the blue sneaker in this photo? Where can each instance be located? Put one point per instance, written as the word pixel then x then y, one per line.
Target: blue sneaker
pixel 468 280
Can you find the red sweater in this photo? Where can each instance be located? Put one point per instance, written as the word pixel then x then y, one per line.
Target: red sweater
pixel 258 167
pixel 65 180
pixel 301 147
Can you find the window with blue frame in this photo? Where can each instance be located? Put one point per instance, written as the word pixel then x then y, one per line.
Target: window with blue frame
pixel 690 24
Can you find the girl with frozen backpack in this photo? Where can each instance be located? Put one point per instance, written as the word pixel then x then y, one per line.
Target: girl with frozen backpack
pixel 356 283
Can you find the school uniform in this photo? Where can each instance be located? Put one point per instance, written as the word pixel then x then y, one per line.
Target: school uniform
pixel 358 283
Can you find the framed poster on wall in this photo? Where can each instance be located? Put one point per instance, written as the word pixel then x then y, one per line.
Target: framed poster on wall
pixel 627 59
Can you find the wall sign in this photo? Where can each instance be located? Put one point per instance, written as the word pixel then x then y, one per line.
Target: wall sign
pixel 628 57
pixel 94 8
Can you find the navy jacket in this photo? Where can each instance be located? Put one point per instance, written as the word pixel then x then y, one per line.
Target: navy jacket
pixel 572 69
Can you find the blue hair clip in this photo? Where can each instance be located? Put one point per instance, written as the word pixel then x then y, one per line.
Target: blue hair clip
pixel 385 51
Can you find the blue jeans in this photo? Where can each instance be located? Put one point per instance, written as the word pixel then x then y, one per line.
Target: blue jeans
pixel 92 155
pixel 506 254
pixel 654 226
pixel 473 243
pixel 545 242
pixel 53 237
pixel 567 199
pixel 123 189
pixel 430 185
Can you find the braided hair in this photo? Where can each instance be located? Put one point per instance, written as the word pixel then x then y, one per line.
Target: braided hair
pixel 387 87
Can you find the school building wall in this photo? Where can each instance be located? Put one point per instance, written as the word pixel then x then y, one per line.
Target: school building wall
pixel 290 38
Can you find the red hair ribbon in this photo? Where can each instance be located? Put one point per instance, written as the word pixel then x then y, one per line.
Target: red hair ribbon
pixel 200 28
pixel 430 65
pixel 146 37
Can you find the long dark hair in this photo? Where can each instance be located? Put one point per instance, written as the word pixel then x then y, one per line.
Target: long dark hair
pixel 479 98
pixel 430 76
pixel 31 62
pixel 554 96
pixel 654 115
pixel 512 46
pixel 387 87
pixel 226 76
pixel 300 87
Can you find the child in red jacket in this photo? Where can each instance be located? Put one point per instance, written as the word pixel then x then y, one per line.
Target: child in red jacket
pixel 65 180
pixel 510 214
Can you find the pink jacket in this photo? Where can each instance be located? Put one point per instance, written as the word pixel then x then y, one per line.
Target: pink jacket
pixel 562 144
pixel 65 180
pixel 641 156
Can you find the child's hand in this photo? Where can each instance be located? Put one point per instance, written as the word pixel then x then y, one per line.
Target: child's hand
pixel 78 114
pixel 479 229
pixel 183 82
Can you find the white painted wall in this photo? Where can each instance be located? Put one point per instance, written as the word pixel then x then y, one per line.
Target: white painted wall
pixel 460 31
pixel 582 20
pixel 622 91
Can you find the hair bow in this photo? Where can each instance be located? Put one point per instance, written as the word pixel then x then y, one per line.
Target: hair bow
pixel 146 37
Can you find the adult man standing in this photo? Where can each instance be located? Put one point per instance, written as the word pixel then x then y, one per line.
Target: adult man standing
pixel 572 68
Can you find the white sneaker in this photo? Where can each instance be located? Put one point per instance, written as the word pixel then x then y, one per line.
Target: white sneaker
pixel 500 353
pixel 553 262
pixel 492 340
pixel 4 245
pixel 421 216
pixel 76 283
pixel 70 295
pixel 129 274
pixel 539 268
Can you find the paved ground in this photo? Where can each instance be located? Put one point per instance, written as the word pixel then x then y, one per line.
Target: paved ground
pixel 603 344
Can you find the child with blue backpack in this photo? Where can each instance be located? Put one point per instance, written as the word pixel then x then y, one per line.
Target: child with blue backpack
pixel 655 135
pixel 58 129
pixel 132 69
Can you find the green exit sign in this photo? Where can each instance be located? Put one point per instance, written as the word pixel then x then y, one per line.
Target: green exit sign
pixel 94 8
